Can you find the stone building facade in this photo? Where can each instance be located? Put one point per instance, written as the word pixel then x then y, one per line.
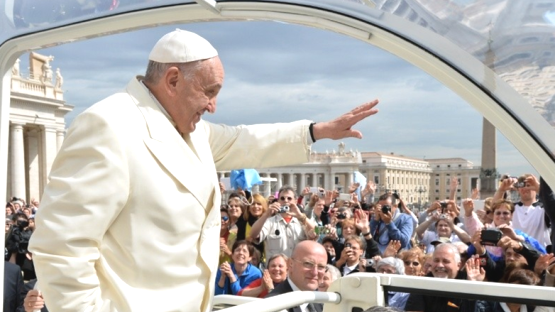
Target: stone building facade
pixel 37 126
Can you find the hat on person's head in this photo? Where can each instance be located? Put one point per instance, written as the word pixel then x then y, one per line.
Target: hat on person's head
pixel 181 46
pixel 440 240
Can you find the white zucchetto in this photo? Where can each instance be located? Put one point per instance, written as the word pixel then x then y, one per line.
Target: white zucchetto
pixel 181 46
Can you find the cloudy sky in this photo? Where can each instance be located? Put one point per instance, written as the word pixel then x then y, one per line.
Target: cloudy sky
pixel 282 72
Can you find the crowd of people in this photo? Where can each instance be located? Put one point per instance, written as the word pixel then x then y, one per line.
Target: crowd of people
pixel 284 242
pixel 19 272
pixel 505 242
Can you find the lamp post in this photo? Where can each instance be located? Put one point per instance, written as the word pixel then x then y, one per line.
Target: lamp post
pixel 420 189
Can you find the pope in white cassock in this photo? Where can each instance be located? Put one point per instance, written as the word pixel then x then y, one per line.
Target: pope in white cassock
pixel 130 219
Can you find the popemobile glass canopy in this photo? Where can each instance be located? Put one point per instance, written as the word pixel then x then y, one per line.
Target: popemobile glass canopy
pixel 499 55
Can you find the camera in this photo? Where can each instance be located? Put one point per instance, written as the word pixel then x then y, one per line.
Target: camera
pixel 386 208
pixel 443 216
pixel 321 230
pixel 519 185
pixel 342 216
pixel 443 205
pixel 284 209
pixel 348 245
pixel 491 237
pixel 370 262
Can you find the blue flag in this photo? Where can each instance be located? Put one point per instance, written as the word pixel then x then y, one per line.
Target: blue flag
pixel 244 179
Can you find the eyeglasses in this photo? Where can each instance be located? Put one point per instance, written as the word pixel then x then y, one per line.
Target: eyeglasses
pixel 414 263
pixel 505 213
pixel 310 265
pixel 224 218
pixel 284 198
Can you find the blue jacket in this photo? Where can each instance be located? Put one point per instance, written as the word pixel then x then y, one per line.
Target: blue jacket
pixel 250 274
pixel 400 229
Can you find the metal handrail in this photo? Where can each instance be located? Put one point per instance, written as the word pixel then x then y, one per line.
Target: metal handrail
pixel 277 303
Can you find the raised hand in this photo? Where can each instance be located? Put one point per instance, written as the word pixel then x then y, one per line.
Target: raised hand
pixel 474 272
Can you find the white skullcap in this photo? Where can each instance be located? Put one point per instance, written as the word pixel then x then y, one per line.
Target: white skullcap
pixel 181 46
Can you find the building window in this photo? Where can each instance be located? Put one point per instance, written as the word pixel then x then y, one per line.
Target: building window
pixel 336 180
pixel 448 174
pixel 376 179
pixel 459 181
pixel 437 174
pixel 437 191
pixel 459 190
pixel 448 166
pixel 460 166
pixel 437 182
pixel 459 198
pixel 437 166
pixel 437 198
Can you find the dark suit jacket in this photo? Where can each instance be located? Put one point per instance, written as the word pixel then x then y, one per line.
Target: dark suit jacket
pixel 284 288
pixel 13 287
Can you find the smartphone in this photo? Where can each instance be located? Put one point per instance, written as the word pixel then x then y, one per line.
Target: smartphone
pixel 345 196
pixel 314 190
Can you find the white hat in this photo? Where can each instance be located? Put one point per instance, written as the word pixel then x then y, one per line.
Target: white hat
pixel 181 46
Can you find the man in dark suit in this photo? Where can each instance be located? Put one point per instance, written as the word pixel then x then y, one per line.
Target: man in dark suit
pixel 13 287
pixel 307 266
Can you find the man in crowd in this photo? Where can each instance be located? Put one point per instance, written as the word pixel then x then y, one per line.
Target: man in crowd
pixel 529 215
pixel 283 225
pixel 446 264
pixel 130 219
pixel 389 223
pixel 307 266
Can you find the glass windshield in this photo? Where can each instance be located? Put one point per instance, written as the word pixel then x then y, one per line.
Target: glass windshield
pixel 513 38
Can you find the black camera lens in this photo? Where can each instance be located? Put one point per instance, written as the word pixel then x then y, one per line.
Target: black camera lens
pixel 386 208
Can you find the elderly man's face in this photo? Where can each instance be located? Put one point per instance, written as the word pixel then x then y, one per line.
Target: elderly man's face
pixel 307 267
pixel 193 97
pixel 444 264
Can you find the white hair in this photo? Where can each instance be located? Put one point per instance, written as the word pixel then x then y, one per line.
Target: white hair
pixel 334 272
pixel 155 70
pixel 453 248
pixel 394 263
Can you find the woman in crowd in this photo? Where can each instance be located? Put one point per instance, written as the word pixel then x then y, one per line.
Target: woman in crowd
pixel 316 211
pixel 235 210
pixel 332 273
pixel 258 206
pixel 228 236
pixel 9 210
pixel 234 276
pixel 502 211
pixel 271 278
pixel 444 227
pixel 391 265
pixel 414 261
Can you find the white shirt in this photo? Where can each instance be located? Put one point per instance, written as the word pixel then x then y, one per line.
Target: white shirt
pixel 531 220
pixel 349 269
pixel 280 236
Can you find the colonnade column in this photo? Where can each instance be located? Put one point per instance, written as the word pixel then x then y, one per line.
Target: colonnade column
pixel 59 138
pixel 17 160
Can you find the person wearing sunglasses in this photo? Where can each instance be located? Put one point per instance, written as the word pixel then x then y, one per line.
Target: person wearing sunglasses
pixel 502 211
pixel 283 225
pixel 228 236
pixel 413 260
